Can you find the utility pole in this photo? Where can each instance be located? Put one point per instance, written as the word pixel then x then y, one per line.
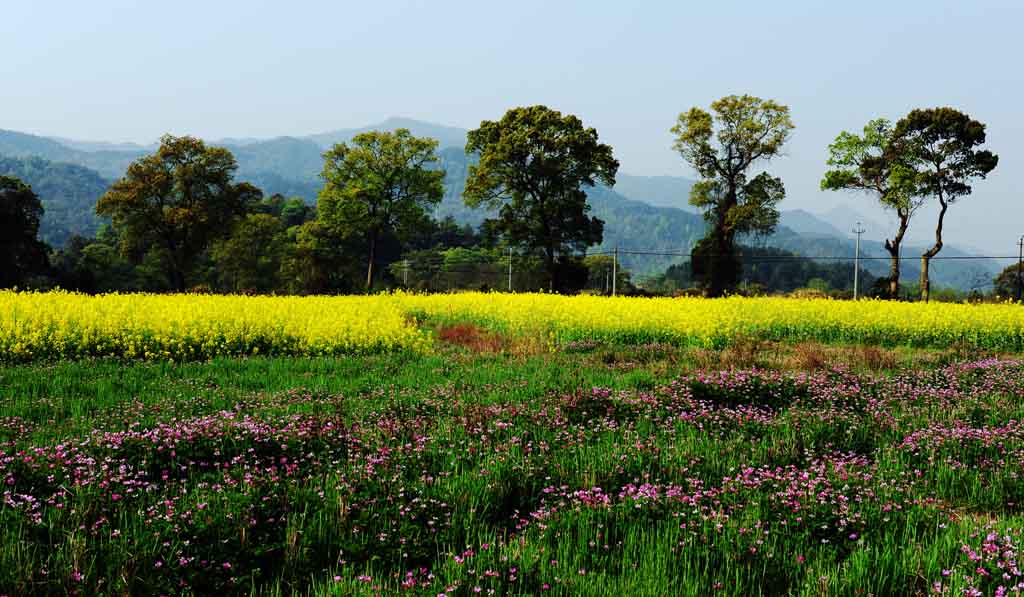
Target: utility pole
pixel 405 274
pixel 858 230
pixel 510 269
pixel 1020 268
pixel 615 270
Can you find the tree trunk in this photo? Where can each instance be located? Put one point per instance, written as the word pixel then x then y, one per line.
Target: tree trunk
pixel 369 264
pixel 894 276
pixel 925 283
pixel 549 264
pixel 724 276
pixel 177 279
pixel 932 252
pixel 893 247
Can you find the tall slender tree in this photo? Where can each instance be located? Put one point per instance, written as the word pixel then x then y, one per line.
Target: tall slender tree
pixel 944 143
pixel 383 183
pixel 722 148
pixel 535 163
pixel 869 163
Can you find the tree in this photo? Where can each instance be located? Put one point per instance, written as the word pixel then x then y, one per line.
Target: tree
pixel 250 259
pixel 722 148
pixel 175 202
pixel 1010 282
pixel 534 163
pixel 599 275
pixel 383 183
pixel 292 211
pixel 316 259
pixel 872 164
pixel 22 254
pixel 944 142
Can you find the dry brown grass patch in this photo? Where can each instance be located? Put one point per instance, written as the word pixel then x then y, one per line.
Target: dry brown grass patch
pixel 472 337
pixel 875 358
pixel 809 356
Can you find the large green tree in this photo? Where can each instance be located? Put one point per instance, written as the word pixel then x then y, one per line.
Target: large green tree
pixel 869 163
pixel 249 260
pixel 176 202
pixel 382 184
pixel 22 254
pixel 534 164
pixel 1010 282
pixel 723 147
pixel 945 143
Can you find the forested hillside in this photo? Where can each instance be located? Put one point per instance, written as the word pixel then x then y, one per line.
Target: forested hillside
pixel 660 191
pixel 68 193
pixel 648 213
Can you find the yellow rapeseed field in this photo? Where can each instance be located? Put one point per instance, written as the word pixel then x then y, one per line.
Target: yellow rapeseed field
pixel 60 325
pixel 711 323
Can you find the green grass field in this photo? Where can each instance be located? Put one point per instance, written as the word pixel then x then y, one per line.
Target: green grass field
pixel 488 468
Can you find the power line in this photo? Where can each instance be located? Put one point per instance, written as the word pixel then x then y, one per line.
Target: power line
pixel 800 257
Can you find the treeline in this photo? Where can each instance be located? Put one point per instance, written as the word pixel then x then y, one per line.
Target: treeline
pixel 767 269
pixel 179 219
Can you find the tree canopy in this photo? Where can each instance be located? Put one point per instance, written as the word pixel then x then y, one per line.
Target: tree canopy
pixel 21 252
pixel 871 163
pixel 944 143
pixel 743 131
pixel 383 183
pixel 534 164
pixel 175 202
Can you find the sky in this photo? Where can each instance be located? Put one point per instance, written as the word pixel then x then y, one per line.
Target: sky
pixel 117 70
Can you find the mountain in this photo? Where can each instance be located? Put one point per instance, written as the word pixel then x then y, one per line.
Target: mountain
pixel 660 191
pixel 447 136
pixel 102 145
pixel 806 223
pixel 68 193
pixel 109 164
pixel 844 217
pixel 959 273
pixel 17 145
pixel 647 213
pixel 288 157
pixel 637 226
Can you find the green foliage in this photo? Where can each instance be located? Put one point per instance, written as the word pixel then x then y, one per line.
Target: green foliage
pixel 331 257
pixel 945 143
pixel 175 202
pixel 716 264
pixel 534 163
pixel 22 255
pixel 68 193
pixel 875 164
pixel 604 469
pixel 316 260
pixel 1010 282
pixel 249 260
pixel 382 184
pixel 774 270
pixel 95 266
pixel 599 275
pixel 722 148
pixel 872 163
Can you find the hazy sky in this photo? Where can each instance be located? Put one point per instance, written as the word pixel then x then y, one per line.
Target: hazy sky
pixel 130 71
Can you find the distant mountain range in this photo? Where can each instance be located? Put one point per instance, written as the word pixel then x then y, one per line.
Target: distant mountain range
pixel 648 213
